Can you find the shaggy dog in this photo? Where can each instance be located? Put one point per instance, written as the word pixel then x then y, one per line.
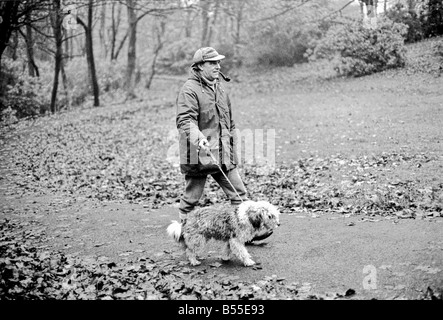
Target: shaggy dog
pixel 224 223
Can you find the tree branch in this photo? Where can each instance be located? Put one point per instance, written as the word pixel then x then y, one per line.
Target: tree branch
pixel 282 12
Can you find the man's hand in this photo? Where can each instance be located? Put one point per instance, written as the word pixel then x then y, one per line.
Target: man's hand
pixel 204 145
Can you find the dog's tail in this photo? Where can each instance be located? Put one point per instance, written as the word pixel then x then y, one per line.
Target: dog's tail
pixel 174 230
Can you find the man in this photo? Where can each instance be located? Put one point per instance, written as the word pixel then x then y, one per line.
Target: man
pixel 205 124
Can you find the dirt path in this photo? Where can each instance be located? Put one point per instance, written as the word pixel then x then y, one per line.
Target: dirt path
pixel 325 253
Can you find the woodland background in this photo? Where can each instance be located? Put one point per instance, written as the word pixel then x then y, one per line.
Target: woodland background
pixel 89 177
pixel 57 55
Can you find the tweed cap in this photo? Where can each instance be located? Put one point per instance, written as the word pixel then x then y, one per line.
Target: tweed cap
pixel 206 54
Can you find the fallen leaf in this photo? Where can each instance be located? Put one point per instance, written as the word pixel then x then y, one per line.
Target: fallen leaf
pixel 215 265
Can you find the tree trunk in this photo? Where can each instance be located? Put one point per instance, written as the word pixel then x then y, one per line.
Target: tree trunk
pixel 115 22
pixel 8 13
pixel 160 31
pixel 32 68
pixel 65 81
pixel 362 12
pixel 90 54
pixel 101 31
pixel 69 45
pixel 14 45
pixel 237 35
pixel 188 26
pixel 239 24
pixel 205 21
pixel 64 58
pixel 56 25
pixel 130 71
pixel 121 44
pixel 212 23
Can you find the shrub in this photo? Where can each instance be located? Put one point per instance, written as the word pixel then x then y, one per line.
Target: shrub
pixel 23 95
pixel 283 40
pixel 400 14
pixel 232 60
pixel 110 77
pixel 356 51
pixel 8 116
pixel 432 18
pixel 78 80
pixel 176 57
pixel 438 49
pixel 280 44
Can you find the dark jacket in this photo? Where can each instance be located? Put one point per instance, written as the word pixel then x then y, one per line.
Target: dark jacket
pixel 205 113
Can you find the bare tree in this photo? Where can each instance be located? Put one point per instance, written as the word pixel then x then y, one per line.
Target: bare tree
pixel 90 52
pixel 115 22
pixel 159 30
pixel 9 15
pixel 133 8
pixel 56 26
pixel 14 15
pixel 212 22
pixel 101 30
pixel 205 16
pixel 235 12
pixel 29 39
pixel 130 76
pixel 238 19
pixel 188 24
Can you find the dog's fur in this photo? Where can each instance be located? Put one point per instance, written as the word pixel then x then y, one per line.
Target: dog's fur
pixel 232 225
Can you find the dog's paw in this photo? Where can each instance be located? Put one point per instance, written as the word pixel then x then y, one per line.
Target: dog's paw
pixel 249 263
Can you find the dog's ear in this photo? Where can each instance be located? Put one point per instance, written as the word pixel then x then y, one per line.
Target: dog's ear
pixel 256 220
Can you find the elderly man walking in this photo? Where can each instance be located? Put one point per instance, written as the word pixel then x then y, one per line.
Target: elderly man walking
pixel 206 127
pixel 204 121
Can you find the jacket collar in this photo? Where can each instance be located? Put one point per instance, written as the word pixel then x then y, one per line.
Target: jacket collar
pixel 195 75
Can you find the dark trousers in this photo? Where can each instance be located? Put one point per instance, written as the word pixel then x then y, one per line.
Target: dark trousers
pixel 195 186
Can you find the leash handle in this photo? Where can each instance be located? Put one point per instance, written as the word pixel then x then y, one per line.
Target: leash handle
pixel 209 153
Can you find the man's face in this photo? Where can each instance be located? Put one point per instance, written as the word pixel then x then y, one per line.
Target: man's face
pixel 210 69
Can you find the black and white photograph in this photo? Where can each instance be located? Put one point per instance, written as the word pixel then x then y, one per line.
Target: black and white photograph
pixel 221 158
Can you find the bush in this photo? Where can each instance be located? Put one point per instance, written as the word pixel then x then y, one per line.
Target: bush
pixel 432 18
pixel 110 77
pixel 400 14
pixel 438 49
pixel 283 40
pixel 280 44
pixel 356 51
pixel 176 58
pixel 232 60
pixel 23 95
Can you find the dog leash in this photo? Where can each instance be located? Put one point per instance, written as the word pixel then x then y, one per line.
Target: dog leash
pixel 209 153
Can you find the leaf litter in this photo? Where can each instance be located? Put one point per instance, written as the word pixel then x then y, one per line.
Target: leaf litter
pixel 30 273
pixel 121 155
